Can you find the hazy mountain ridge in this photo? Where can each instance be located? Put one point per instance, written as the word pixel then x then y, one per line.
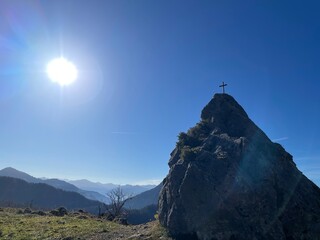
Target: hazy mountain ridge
pixel 57 183
pixel 14 173
pixel 145 199
pixel 104 188
pixel 92 190
pixel 17 192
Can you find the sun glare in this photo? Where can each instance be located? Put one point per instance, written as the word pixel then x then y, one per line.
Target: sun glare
pixel 62 71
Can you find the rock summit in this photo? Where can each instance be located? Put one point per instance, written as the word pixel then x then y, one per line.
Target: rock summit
pixel 228 180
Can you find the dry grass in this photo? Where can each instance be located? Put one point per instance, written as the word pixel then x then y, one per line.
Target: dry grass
pixel 31 226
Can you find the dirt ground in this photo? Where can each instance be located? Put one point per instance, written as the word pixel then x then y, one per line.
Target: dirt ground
pixel 148 231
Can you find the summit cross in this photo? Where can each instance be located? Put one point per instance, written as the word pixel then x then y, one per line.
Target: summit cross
pixel 223 85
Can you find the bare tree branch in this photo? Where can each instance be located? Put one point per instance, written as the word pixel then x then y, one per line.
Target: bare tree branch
pixel 117 198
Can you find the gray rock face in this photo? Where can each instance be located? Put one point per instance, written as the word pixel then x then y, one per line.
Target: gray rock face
pixel 227 180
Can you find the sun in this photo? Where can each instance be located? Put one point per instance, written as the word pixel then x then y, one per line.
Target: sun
pixel 62 71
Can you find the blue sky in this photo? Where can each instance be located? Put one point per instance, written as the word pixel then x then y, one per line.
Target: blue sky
pixel 146 70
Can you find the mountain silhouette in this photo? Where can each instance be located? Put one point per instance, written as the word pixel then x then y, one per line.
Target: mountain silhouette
pixel 144 199
pixel 17 192
pixel 14 173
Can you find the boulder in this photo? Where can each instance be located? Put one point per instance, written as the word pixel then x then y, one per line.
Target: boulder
pixel 122 221
pixel 228 180
pixel 27 210
pixel 40 213
pixel 60 212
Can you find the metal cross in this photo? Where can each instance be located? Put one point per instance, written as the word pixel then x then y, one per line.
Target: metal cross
pixel 223 85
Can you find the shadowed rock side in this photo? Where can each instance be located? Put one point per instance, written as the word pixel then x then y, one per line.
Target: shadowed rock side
pixel 227 180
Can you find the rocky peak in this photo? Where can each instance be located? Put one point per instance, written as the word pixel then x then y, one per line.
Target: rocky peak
pixel 222 118
pixel 221 104
pixel 225 115
pixel 227 180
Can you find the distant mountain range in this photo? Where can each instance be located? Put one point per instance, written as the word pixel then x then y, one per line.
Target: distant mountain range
pixel 11 172
pixel 91 190
pixel 104 188
pixel 17 192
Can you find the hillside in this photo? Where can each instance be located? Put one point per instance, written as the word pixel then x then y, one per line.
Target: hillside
pixel 75 225
pixel 145 199
pixel 14 173
pixel 60 184
pixel 18 192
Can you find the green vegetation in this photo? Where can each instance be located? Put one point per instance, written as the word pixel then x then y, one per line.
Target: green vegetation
pixel 32 226
pixel 19 224
pixel 200 131
pixel 195 136
pixel 186 140
pixel 188 153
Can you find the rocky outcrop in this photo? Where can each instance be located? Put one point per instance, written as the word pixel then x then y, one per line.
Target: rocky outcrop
pixel 228 180
pixel 60 212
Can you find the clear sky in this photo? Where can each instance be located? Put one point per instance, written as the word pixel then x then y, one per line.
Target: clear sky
pixel 146 70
